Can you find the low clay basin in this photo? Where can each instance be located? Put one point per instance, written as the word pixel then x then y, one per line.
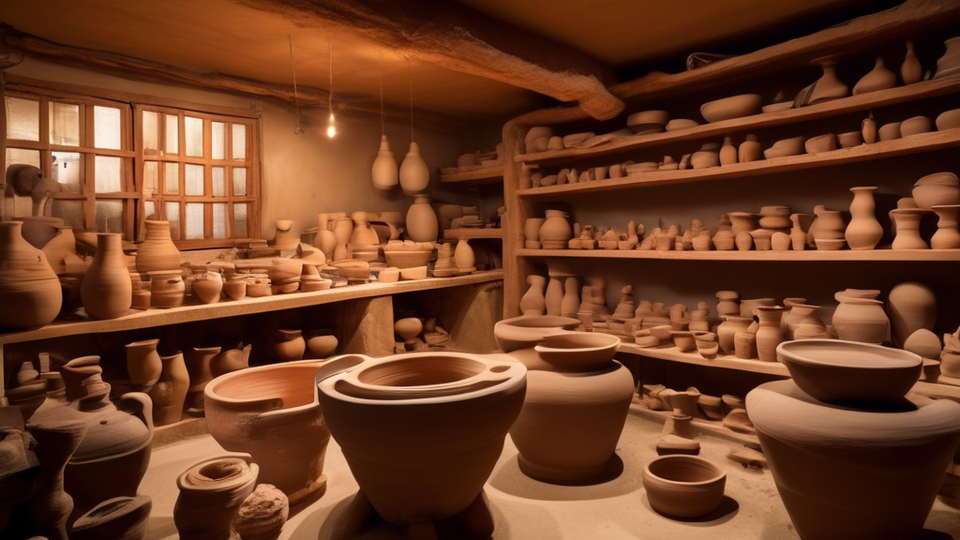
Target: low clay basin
pixel 684 486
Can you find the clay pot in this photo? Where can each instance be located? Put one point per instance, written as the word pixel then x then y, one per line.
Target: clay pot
pixel 534 133
pixel 683 486
pixel 750 150
pixel 526 331
pixel 809 325
pixel 880 78
pixel 207 287
pixel 422 225
pixel 912 306
pixel 907 226
pixel 143 364
pixel 166 288
pixel 26 281
pixel 826 88
pixel 531 232
pixel 385 173
pixel 262 514
pixel 414 174
pixel 769 334
pixel 211 491
pixel 326 240
pixel 936 189
pixel 464 257
pixel 408 328
pixel 790 320
pixel 230 360
pixel 532 302
pixel 170 392
pixel 850 139
pixel 728 329
pixel 343 230
pixel 948 65
pixel 947 235
pixel 948 120
pixel 821 143
pixel 555 231
pixel 157 252
pixel 864 231
pixel 402 423
pixel 683 340
pixel 728 303
pixel 645 122
pixel 911 71
pixel 106 289
pixel 731 107
pixel 915 126
pixel 322 344
pixel 120 518
pixel 236 289
pixel 198 362
pixel 51 505
pixel 924 344
pixel 868 130
pixel 289 345
pixel 743 222
pixel 829 225
pixel 860 319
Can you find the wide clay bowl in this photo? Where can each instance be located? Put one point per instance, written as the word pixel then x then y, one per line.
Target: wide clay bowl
pixel 421 432
pixel 526 331
pixel 731 107
pixel 407 259
pixel 683 486
pixel 580 351
pixel 836 371
pixel 273 413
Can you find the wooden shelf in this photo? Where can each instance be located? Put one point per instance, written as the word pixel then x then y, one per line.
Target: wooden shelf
pixel 912 255
pixel 472 176
pixel 472 234
pixel 161 317
pixel 924 142
pixel 863 102
pixel 713 427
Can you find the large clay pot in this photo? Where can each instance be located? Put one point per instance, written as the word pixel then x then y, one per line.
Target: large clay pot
pixel 863 231
pixel 157 252
pixel 769 333
pixel 120 518
pixel 26 281
pixel 51 505
pixel 555 232
pixel 273 413
pixel 106 289
pixel 728 329
pixel 526 331
pixel 948 65
pixel 912 306
pixel 533 301
pixel 143 364
pixel 947 235
pixel 414 174
pixel 846 473
pixel 421 432
pixel 211 491
pixel 385 173
pixel 170 392
pixel 207 286
pixel 860 319
pixel 907 226
pixel 198 361
pixel 422 225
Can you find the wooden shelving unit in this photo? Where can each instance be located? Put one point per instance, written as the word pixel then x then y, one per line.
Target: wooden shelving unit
pixel 472 234
pixel 910 255
pixel 472 176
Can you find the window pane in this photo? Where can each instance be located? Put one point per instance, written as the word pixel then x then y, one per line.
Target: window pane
pixel 106 127
pixel 171 178
pixel 218 183
pixel 239 181
pixel 171 212
pixel 71 212
pixel 64 124
pixel 193 179
pixel 27 157
pixel 150 176
pixel 219 142
pixel 66 170
pixel 194 221
pixel 173 133
pixel 109 216
pixel 239 141
pixel 240 220
pixel 23 119
pixel 151 132
pixel 149 210
pixel 219 220
pixel 193 133
pixel 107 178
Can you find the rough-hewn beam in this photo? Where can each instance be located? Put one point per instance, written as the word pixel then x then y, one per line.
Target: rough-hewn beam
pixel 460 38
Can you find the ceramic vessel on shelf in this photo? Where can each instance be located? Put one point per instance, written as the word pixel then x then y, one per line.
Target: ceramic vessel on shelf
pixel 880 78
pixel 555 231
pixel 849 139
pixel 385 173
pixel 286 237
pixel 408 327
pixel 683 486
pixel 948 120
pixel 26 281
pixel 39 230
pixel 949 64
pixel 743 222
pixel 157 252
pixel 532 302
pixel 911 71
pixel 207 286
pixel 230 360
pixel 860 319
pixel 51 505
pixel 414 174
pixel 915 126
pixel 868 130
pixel 143 364
pixel 728 303
pixel 526 331
pixel 455 409
pixel 464 257
pixel 106 290
pixel 947 235
pixel 170 392
pixel 820 143
pixel 889 132
pixel 826 88
pixel 809 325
pixel 326 239
pixel 322 343
pixel 343 230
pixel 912 306
pixel 645 122
pixel 273 412
pixel 120 518
pixel 166 288
pixel 531 232
pixel 790 320
pixel 749 306
pixel 863 231
pixel 828 225
pixel 907 228
pixel 289 345
pixel 936 189
pixel 731 107
pixel 198 360
pixel 422 225
pixel 728 329
pixel 211 491
pixel 769 334
pixel 785 147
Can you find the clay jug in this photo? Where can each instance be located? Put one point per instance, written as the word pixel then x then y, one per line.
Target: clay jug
pixel 464 258
pixel 26 281
pixel 554 296
pixel 211 491
pixel 912 306
pixel 106 291
pixel 198 362
pixel 570 304
pixel 860 319
pixel 230 360
pixel 51 505
pixel 728 329
pixel 169 393
pixel 422 225
pixel 906 223
pixel 769 334
pixel 555 231
pixel 385 173
pixel 810 325
pixel 948 65
pixel 326 240
pixel 911 71
pixel 289 345
pixel 143 364
pixel 947 235
pixel 414 174
pixel 157 252
pixel 863 231
pixel 533 302
pixel 120 518
pixel 880 78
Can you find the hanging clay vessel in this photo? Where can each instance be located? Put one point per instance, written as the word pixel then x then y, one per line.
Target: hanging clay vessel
pixel 570 304
pixel 912 306
pixel 809 326
pixel 26 281
pixel 864 231
pixel 198 362
pixel 273 413
pixel 880 78
pixel 826 88
pixel 769 334
pixel 455 409
pixel 143 364
pixel 157 252
pixel 414 174
pixel 211 491
pixel 422 225
pixel 262 514
pixel 554 296
pixel 106 290
pixel 464 257
pixel 907 227
pixel 51 505
pixel 120 518
pixel 170 392
pixel 728 329
pixel 948 65
pixel 860 319
pixel 230 360
pixel 911 71
pixel 385 174
pixel 289 345
pixel 532 302
pixel 555 231
pixel 947 235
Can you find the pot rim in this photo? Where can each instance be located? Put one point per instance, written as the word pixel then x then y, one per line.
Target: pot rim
pixel 719 476
pixel 896 358
pixel 209 391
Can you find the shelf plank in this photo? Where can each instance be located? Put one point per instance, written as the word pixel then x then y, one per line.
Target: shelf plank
pixel 135 319
pixel 472 234
pixel 949 255
pixel 924 142
pixel 480 175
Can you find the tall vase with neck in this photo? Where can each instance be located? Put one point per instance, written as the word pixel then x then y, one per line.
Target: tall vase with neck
pixel 385 173
pixel 26 281
pixel 864 231
pixel 533 302
pixel 107 291
pixel 769 334
pixel 570 304
pixel 947 235
pixel 827 87
pixel 414 174
pixel 422 224
pixel 911 71
pixel 157 252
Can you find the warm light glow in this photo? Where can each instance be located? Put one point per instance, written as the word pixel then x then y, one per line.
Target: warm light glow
pixel 331 127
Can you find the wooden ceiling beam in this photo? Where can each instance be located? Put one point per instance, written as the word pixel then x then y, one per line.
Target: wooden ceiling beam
pixel 460 38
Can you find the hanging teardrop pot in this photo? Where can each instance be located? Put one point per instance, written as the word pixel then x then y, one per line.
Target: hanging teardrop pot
pixel 414 174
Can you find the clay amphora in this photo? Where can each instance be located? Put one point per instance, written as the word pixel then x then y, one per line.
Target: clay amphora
pixel 464 257
pixel 198 362
pixel 422 225
pixel 385 173
pixel 911 71
pixel 554 296
pixel 863 231
pixel 170 392
pixel 362 233
pixel 211 491
pixel 531 232
pixel 769 334
pixel 51 505
pixel 860 319
pixel 912 306
pixel 143 364
pixel 555 231
pixel 414 174
pixel 120 518
pixel 157 252
pixel 570 304
pixel 289 345
pixel 809 326
pixel 26 281
pixel 421 432
pixel 907 227
pixel 948 65
pixel 868 130
pixel 532 302
pixel 273 413
pixel 947 235
pixel 880 78
pixel 727 330
pixel 106 290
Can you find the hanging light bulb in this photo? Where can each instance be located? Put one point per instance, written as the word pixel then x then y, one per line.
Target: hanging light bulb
pixel 384 173
pixel 332 124
pixel 414 174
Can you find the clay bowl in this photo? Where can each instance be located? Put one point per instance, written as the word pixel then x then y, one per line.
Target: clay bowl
pixel 836 371
pixel 830 244
pixel 526 331
pixel 785 147
pixel 937 188
pixel 578 351
pixel 947 120
pixel 915 126
pixel 684 123
pixel 731 107
pixel 407 259
pixel 648 121
pixel 683 486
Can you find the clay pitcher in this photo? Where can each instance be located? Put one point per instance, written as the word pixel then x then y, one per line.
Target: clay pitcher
pixel 198 361
pixel 864 231
pixel 769 334
pixel 414 175
pixel 143 364
pixel 106 291
pixel 211 491
pixel 26 281
pixel 157 252
pixel 169 393
pixel 51 506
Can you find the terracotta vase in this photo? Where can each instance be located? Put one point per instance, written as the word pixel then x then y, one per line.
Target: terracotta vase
pixel 262 514
pixel 809 325
pixel 863 231
pixel 198 362
pixel 826 88
pixel 860 319
pixel 414 174
pixel 555 231
pixel 289 345
pixel 230 360
pixel 880 78
pixel 854 473
pixel 422 225
pixel 106 289
pixel 273 412
pixel 907 227
pixel 157 252
pixel 322 344
pixel 948 65
pixel 454 409
pixel 912 306
pixel 464 257
pixel 947 235
pixel 828 225
pixel 120 518
pixel 570 304
pixel 533 302
pixel 769 334
pixel 554 296
pixel 531 232
pixel 211 491
pixel 143 364
pixel 911 71
pixel 728 329
pixel 166 288
pixel 170 392
pixel 26 281
pixel 51 505
pixel 526 331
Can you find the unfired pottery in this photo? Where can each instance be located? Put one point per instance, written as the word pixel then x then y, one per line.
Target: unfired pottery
pixel 911 71
pixel 157 252
pixel 143 364
pixel 555 231
pixel 880 78
pixel 26 281
pixel 948 120
pixel 51 505
pixel 683 486
pixel 809 325
pixel 947 235
pixel 860 319
pixel 262 514
pixel 198 361
pixel 531 232
pixel 414 174
pixel 120 518
pixel 230 360
pixel 170 392
pixel 936 189
pixel 915 126
pixel 322 344
pixel 769 333
pixel 907 228
pixel 532 302
pixel 385 173
pixel 289 345
pixel 785 147
pixel 422 225
pixel 864 231
pixel 912 306
pixel 728 329
pixel 731 107
pixel 211 491
pixel 826 88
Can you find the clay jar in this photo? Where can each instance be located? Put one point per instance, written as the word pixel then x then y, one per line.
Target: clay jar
pixel 555 231
pixel 421 432
pixel 211 491
pixel 728 303
pixel 880 78
pixel 414 175
pixel 143 364
pixel 273 413
pixel 912 306
pixel 863 231
pixel 322 344
pixel 907 223
pixel 860 319
pixel 157 252
pixel 728 329
pixel 106 290
pixel 289 345
pixel 948 65
pixel 809 325
pixel 207 286
pixel 936 188
pixel 422 225
pixel 769 334
pixel 26 281
pixel 170 392
pixel 166 288
pixel 531 232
